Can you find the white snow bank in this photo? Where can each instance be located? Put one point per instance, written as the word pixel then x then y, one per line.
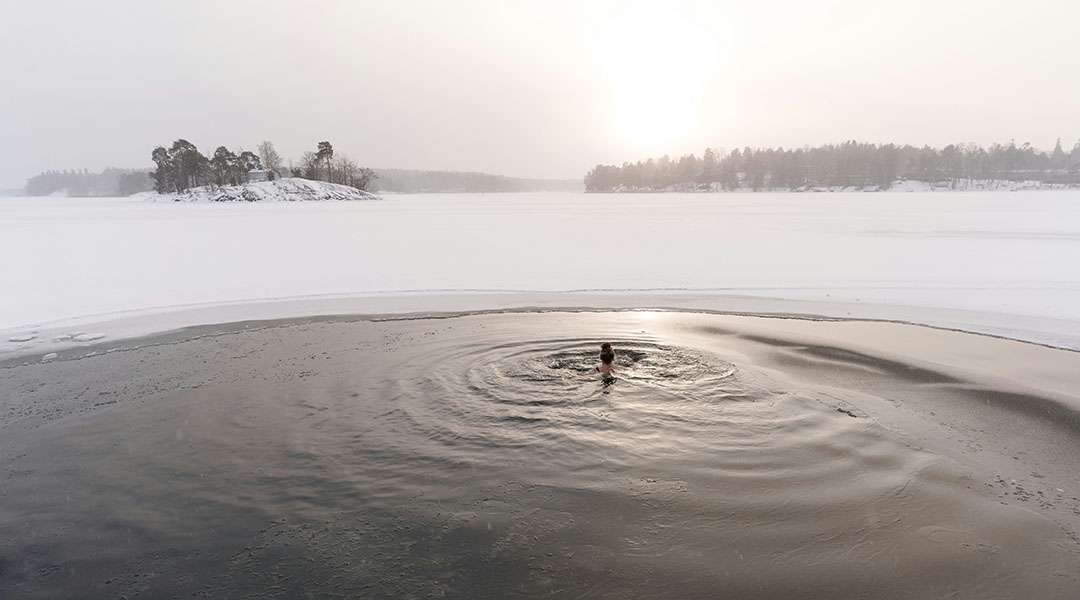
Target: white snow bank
pixel 290 189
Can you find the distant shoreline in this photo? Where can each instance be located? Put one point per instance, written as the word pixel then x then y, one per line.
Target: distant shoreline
pixel 905 186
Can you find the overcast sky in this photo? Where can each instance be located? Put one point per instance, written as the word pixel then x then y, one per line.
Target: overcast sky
pixel 533 89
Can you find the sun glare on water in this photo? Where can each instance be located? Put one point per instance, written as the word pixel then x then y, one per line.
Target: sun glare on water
pixel 656 61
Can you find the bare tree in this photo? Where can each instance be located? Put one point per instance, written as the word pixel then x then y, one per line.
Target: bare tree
pixel 364 179
pixel 270 158
pixel 309 162
pixel 346 170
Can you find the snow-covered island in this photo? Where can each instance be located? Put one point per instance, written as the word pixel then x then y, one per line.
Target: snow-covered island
pixel 289 189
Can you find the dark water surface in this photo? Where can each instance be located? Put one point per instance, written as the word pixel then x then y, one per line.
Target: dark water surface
pixel 478 457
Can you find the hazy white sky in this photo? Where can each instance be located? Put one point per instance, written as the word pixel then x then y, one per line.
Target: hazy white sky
pixel 535 89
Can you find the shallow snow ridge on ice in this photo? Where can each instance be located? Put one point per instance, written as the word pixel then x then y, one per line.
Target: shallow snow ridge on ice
pixel 290 189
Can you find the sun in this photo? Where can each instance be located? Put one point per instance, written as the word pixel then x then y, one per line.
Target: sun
pixel 656 61
pixel 651 117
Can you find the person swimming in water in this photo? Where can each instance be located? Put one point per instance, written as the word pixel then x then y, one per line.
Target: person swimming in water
pixel 607 367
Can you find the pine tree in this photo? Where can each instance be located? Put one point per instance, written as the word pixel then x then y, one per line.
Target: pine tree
pixel 325 153
pixel 163 174
pixel 709 168
pixel 245 163
pixel 223 164
pixel 1057 157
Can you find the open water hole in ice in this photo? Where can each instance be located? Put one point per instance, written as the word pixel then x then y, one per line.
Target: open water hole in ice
pixel 491 463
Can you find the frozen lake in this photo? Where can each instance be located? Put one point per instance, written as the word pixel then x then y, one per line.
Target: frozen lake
pixel 1002 263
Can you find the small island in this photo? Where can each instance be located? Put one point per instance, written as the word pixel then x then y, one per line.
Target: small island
pixel 185 174
pixel 287 189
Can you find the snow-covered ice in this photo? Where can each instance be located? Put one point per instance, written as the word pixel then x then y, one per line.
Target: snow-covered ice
pixel 87 337
pixel 995 262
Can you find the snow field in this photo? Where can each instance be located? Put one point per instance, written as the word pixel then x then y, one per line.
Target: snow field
pixel 1006 261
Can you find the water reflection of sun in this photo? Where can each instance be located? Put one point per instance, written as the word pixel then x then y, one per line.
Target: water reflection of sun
pixel 656 61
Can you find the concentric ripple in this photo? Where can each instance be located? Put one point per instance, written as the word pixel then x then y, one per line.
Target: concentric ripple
pixel 543 399
pixel 485 458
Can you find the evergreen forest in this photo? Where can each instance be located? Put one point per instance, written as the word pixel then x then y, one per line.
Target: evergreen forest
pixel 847 165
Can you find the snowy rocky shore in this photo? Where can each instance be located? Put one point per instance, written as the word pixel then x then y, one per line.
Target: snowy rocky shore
pixel 290 189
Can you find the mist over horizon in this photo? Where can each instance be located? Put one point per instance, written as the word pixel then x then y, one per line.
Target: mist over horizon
pixel 530 91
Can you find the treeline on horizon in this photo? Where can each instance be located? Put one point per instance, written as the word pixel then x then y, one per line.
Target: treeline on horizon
pixel 410 181
pixel 847 165
pixel 110 182
pixel 181 167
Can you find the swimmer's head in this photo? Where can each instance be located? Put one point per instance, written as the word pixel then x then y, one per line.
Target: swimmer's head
pixel 607 353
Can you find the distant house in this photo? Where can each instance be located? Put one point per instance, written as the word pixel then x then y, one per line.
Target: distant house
pixel 257 175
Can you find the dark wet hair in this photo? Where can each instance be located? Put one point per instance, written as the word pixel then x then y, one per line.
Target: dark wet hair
pixel 607 353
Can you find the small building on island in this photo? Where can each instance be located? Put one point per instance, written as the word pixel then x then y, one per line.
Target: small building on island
pixel 257 175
